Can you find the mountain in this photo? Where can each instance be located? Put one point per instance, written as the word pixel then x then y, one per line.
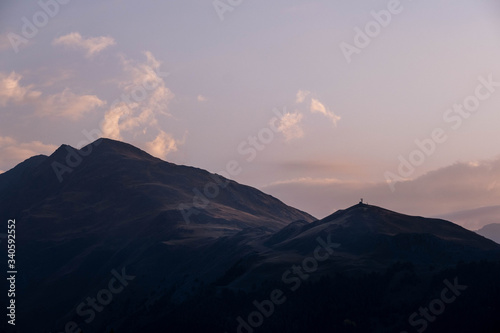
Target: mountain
pixel 82 213
pixel 108 236
pixel 379 267
pixel 369 238
pixel 474 219
pixel 491 231
pixel 115 174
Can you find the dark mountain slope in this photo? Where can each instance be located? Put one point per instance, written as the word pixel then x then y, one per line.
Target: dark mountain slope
pixel 370 238
pixel 117 209
pixel 13 177
pixel 121 175
pixel 383 266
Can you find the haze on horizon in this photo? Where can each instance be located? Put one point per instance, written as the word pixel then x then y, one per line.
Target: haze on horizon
pixel 268 85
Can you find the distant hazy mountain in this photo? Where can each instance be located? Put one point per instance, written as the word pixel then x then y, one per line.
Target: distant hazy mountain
pixel 491 231
pixel 474 219
pixel 85 217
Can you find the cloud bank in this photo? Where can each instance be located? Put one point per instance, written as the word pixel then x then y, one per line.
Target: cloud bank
pixel 458 187
pixel 13 151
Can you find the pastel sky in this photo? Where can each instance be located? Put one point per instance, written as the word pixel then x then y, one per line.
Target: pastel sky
pixel 318 101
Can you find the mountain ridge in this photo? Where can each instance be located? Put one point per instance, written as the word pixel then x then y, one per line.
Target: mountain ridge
pixel 119 208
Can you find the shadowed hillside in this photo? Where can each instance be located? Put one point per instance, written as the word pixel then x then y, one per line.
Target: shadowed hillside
pixel 110 213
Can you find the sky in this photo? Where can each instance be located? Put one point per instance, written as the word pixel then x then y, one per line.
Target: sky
pixel 319 102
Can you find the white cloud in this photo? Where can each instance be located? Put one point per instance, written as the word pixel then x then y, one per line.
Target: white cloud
pixel 146 97
pixel 14 152
pixel 301 96
pixel 69 105
pixel 146 74
pixel 11 91
pixel 64 104
pixel 162 145
pixel 318 107
pixel 111 124
pixel 201 98
pixel 92 46
pixel 289 126
pixel 6 141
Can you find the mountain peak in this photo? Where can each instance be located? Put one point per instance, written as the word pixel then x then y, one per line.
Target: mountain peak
pixel 359 208
pixel 113 145
pixel 362 219
pixel 123 176
pixel 102 147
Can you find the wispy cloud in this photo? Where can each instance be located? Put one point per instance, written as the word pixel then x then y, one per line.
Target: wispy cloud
pixel 92 45
pixel 11 90
pixel 201 98
pixel 64 104
pixel 322 168
pixel 305 181
pixel 111 127
pixel 301 96
pixel 289 126
pixel 69 105
pixel 14 152
pixel 162 145
pixel 146 97
pixel 318 107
